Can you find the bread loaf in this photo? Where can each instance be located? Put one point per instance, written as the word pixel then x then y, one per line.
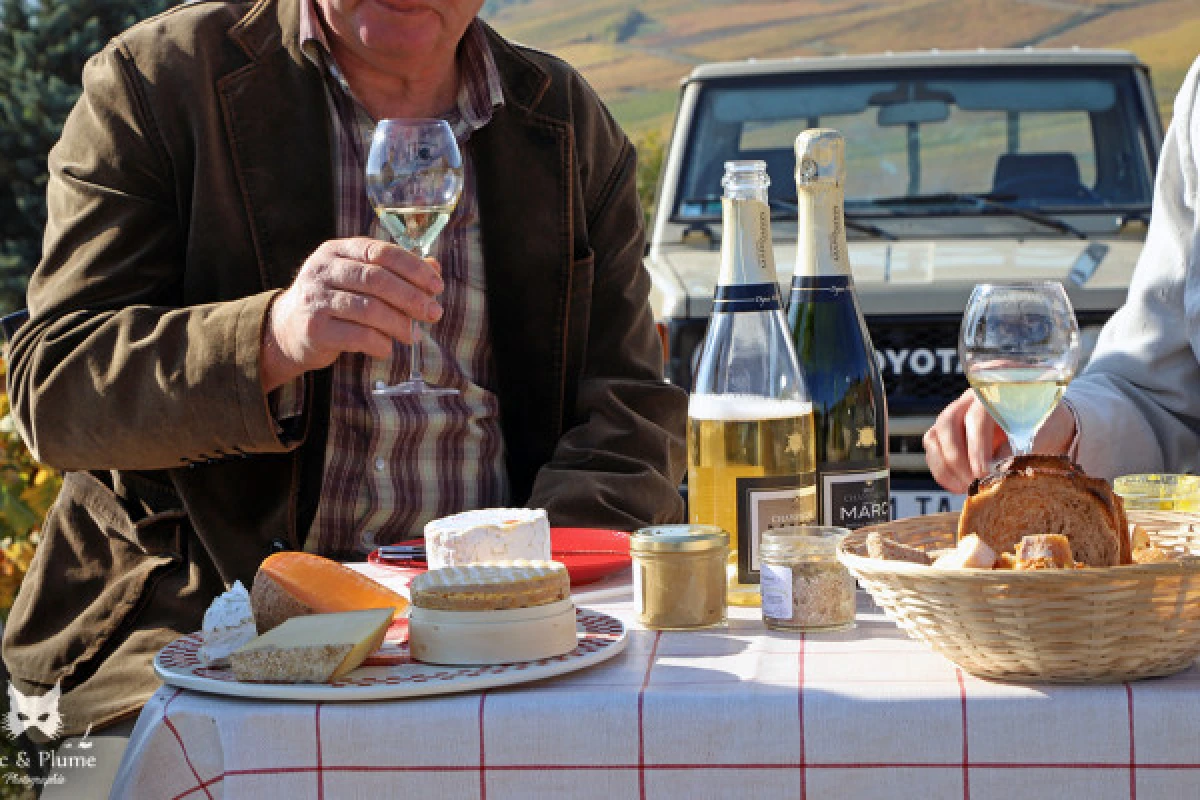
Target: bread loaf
pixel 1048 495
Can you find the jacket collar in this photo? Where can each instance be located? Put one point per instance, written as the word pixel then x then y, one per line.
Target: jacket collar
pixel 273 24
pixel 269 25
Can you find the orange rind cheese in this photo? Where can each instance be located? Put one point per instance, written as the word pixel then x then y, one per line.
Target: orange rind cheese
pixel 292 584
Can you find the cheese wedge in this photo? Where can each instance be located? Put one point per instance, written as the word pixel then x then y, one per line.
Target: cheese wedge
pixel 292 584
pixel 488 535
pixel 971 553
pixel 317 648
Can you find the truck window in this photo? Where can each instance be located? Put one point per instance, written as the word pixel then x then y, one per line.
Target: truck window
pixel 1064 138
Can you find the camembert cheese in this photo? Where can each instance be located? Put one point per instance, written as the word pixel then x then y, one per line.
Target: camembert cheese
pixel 492 637
pixel 482 587
pixel 488 535
pixel 317 648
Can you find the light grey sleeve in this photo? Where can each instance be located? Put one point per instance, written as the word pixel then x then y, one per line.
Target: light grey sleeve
pixel 1138 401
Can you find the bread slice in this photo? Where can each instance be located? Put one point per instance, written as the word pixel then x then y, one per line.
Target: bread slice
pixel 880 546
pixel 1044 551
pixel 971 553
pixel 1035 495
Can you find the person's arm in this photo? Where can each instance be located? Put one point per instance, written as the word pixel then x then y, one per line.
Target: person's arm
pixel 621 465
pixel 1136 408
pixel 115 368
pixel 111 371
pixel 1138 402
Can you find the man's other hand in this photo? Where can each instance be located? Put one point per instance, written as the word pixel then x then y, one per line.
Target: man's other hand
pixel 965 441
pixel 351 295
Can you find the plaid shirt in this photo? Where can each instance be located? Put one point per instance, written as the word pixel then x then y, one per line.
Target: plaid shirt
pixel 394 463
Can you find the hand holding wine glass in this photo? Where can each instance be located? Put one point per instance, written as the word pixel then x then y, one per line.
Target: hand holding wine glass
pixel 414 178
pixel 1019 347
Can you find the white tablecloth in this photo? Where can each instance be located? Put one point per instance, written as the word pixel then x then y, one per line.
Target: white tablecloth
pixel 738 711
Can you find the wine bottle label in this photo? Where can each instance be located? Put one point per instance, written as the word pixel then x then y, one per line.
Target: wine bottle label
pixel 773 501
pixel 852 499
pixel 747 297
pixel 747 256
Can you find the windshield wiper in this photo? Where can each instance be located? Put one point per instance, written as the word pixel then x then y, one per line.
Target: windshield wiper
pixel 861 227
pixel 991 202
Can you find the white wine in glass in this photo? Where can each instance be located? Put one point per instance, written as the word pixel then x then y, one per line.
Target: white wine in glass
pixel 414 178
pixel 1019 348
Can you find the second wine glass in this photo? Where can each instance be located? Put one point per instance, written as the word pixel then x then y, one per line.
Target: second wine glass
pixel 414 179
pixel 1019 348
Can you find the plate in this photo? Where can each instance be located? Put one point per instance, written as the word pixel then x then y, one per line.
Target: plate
pixel 391 674
pixel 589 554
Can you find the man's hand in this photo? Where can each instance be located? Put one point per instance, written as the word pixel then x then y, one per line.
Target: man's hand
pixel 965 441
pixel 352 295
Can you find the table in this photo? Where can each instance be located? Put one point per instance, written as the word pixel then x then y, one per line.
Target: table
pixel 738 711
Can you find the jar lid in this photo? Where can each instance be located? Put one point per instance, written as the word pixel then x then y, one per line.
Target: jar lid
pixel 678 539
pixel 804 541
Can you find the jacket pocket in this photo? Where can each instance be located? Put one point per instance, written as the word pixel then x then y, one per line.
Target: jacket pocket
pixel 95 568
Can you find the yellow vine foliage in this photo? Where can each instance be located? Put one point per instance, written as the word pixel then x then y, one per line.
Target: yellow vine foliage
pixel 27 489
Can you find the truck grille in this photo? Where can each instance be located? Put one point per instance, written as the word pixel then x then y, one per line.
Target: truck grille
pixel 918 359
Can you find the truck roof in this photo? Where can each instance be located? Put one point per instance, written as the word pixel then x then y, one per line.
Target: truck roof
pixel 1027 56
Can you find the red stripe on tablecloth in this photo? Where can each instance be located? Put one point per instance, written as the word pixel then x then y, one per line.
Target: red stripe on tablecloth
pixel 320 770
pixel 200 784
pixel 949 765
pixel 966 759
pixel 482 760
pixel 642 719
pixel 1132 750
pixel 800 712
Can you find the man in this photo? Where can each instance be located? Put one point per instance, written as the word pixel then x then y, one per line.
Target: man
pixel 1136 408
pixel 215 304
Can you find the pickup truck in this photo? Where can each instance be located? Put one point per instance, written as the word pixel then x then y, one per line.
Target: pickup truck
pixel 963 167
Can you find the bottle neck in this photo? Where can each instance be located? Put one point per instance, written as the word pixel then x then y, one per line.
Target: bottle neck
pixel 747 257
pixel 821 233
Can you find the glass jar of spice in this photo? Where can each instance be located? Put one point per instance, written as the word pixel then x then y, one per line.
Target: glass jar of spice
pixel 679 575
pixel 804 586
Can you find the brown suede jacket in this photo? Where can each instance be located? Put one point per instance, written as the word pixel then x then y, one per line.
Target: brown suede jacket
pixel 192 179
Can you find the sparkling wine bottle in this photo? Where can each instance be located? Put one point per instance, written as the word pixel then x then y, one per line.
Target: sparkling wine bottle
pixel 750 425
pixel 834 347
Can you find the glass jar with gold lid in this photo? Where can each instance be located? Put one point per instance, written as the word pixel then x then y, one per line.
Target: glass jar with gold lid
pixel 679 575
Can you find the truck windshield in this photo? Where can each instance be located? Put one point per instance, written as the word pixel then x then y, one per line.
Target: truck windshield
pixel 1057 138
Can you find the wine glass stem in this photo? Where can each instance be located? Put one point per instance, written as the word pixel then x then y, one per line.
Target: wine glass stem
pixel 414 355
pixel 1020 447
pixel 414 350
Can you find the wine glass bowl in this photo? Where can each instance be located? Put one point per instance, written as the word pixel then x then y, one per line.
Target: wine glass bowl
pixel 1019 347
pixel 414 177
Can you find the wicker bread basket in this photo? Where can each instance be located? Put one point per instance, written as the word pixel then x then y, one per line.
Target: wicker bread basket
pixel 1091 625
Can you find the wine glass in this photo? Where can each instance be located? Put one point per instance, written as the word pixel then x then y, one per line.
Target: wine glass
pixel 1019 348
pixel 414 178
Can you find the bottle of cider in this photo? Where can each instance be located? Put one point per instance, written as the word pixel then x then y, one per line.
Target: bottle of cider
pixel 750 425
pixel 834 347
